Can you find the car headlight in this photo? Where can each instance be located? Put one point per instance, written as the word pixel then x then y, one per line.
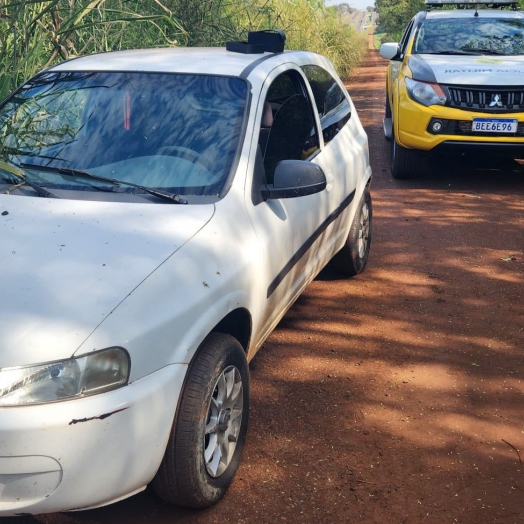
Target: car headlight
pixel 425 93
pixel 81 376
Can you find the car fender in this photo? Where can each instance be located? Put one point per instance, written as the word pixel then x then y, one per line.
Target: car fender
pixel 170 310
pixel 400 93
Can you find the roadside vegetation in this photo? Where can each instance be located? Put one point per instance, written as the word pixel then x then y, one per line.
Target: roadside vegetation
pixel 36 34
pixel 394 15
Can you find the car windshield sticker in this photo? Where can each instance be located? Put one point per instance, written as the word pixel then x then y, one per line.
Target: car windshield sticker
pixel 484 70
pixel 485 60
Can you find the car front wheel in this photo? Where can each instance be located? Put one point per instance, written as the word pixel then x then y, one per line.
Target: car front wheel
pixel 209 430
pixel 405 163
pixel 353 257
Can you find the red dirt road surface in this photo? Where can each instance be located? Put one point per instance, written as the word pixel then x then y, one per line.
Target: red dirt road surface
pixel 396 396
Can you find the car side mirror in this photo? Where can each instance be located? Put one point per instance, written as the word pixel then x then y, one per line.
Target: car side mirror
pixel 390 50
pixel 295 178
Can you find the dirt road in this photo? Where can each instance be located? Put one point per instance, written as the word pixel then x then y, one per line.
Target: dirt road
pixel 395 397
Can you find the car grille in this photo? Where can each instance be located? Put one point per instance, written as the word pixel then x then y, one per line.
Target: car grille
pixel 488 100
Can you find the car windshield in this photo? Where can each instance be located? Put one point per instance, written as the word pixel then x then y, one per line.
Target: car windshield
pixel 174 132
pixel 483 36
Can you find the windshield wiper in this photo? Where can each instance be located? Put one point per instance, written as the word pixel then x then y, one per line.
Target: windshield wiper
pixel 82 173
pixel 18 173
pixel 455 52
pixel 488 51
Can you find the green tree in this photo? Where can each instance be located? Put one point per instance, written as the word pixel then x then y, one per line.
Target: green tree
pixel 394 15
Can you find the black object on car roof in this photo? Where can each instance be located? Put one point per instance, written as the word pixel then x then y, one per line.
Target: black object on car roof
pixel 267 41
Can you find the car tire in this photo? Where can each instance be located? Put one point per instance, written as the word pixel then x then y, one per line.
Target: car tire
pixel 388 113
pixel 205 446
pixel 405 163
pixel 353 257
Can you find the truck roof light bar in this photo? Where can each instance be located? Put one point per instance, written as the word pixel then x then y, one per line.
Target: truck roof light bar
pixel 465 4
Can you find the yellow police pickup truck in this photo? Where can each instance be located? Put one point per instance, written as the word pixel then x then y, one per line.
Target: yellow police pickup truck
pixel 455 85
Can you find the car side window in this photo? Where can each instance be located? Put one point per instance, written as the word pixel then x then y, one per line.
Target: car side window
pixel 288 130
pixel 332 104
pixel 405 39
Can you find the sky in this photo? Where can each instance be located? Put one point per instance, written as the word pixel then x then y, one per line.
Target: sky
pixel 357 4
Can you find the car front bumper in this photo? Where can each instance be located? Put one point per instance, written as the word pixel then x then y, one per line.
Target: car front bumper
pixel 412 121
pixel 480 151
pixel 84 453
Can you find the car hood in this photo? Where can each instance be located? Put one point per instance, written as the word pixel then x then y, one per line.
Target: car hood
pixel 468 70
pixel 66 265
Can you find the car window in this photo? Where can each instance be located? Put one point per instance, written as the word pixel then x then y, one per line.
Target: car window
pixel 405 38
pixel 170 131
pixel 332 104
pixel 471 36
pixel 290 133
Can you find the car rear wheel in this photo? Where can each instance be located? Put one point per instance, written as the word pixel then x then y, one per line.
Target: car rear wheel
pixel 209 430
pixel 405 163
pixel 353 257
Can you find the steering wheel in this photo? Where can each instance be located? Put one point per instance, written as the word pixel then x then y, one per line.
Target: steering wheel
pixel 182 152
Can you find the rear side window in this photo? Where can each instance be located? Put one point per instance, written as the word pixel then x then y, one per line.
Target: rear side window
pixel 332 104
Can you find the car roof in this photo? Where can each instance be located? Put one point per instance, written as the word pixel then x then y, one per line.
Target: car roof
pixel 210 60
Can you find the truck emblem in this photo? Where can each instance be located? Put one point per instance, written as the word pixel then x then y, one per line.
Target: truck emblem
pixel 496 101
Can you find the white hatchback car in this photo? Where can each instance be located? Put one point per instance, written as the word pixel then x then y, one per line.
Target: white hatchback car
pixel 160 211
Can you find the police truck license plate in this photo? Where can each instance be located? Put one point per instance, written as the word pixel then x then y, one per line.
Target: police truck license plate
pixel 494 125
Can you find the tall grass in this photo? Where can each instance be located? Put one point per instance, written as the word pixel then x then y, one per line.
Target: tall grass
pixel 307 24
pixel 35 34
pixel 323 31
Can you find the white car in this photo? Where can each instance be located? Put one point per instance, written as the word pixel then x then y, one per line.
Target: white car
pixel 160 211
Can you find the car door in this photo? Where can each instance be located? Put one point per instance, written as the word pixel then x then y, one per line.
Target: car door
pixel 289 231
pixel 342 152
pixel 304 119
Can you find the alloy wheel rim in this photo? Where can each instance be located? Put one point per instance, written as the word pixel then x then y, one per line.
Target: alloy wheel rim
pixel 363 233
pixel 224 418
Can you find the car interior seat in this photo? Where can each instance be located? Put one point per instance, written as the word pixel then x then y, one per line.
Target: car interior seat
pixel 292 126
pixel 265 126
